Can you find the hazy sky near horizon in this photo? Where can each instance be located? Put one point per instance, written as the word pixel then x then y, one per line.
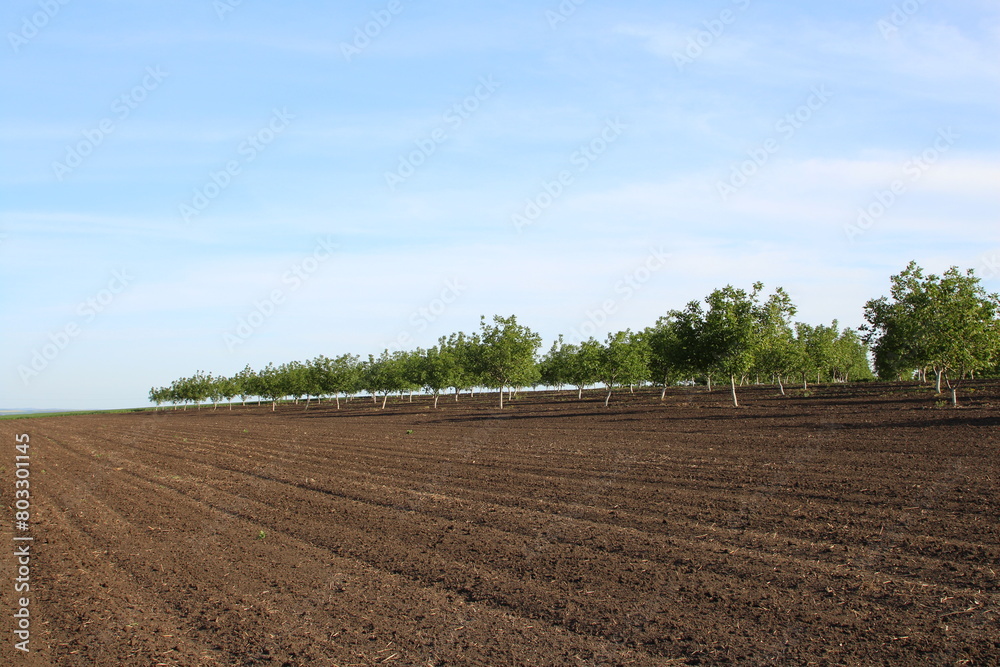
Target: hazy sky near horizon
pixel 205 184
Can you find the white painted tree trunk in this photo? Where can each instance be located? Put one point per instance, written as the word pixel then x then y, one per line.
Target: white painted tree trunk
pixel 732 383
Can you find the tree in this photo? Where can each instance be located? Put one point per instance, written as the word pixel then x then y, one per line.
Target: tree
pixel 438 368
pixel 463 350
pixel 554 367
pixel 505 353
pixel 584 365
pixel 333 377
pixel 731 331
pixel 850 357
pixel 244 381
pixel 223 388
pixel 411 367
pixel 776 352
pixel 623 361
pixel 384 374
pixel 270 384
pixel 948 323
pixel 693 353
pixel 667 360
pixel 194 389
pixel 159 395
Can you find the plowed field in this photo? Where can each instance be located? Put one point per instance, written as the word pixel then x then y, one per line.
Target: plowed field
pixel 851 526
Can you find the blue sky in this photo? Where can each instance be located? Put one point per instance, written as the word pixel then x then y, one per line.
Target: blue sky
pixel 208 184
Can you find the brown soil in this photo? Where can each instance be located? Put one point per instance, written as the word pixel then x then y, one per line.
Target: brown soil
pixel 854 526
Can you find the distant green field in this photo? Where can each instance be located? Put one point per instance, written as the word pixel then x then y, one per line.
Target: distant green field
pixel 37 415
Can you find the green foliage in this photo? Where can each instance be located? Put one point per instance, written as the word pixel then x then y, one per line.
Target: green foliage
pixel 439 369
pixel 776 352
pixel 947 323
pixel 555 367
pixel 584 364
pixel 504 354
pixel 623 360
pixel 668 359
pixel 385 374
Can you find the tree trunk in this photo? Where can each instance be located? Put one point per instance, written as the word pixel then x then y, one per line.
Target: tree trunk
pixel 781 386
pixel 308 398
pixel 501 398
pixel 663 394
pixel 709 383
pixel 274 405
pixel 608 399
pixel 732 383
pixel 939 374
pixel 805 383
pixel 436 395
pixel 954 390
pixel 579 393
pixel 385 397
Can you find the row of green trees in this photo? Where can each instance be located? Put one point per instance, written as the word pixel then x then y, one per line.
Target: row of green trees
pixel 947 324
pixel 500 356
pixel 737 337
